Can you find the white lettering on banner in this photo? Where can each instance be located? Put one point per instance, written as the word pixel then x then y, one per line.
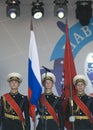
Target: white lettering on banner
pixel 86 31
pixel 78 38
pixel 73 45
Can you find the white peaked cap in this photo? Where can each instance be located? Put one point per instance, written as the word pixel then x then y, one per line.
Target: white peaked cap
pixel 14 76
pixel 48 76
pixel 80 78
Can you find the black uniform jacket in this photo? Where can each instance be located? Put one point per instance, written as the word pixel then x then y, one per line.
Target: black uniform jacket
pixel 81 122
pixel 10 119
pixel 47 123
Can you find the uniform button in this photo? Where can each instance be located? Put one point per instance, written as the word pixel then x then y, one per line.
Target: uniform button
pixel 80 113
pixel 47 96
pixel 46 113
pixel 13 96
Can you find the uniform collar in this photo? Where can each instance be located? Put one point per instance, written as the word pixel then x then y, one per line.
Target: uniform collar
pixel 82 94
pixel 51 93
pixel 14 93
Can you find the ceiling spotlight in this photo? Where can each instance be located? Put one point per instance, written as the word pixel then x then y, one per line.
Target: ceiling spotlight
pixel 60 8
pixel 13 8
pixel 37 9
pixel 84 11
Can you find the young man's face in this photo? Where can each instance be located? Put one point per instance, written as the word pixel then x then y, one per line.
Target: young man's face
pixel 14 84
pixel 80 86
pixel 48 84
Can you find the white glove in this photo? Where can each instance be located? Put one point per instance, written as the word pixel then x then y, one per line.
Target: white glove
pixel 72 118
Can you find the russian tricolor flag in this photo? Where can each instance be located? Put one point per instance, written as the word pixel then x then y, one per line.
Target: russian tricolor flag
pixel 34 77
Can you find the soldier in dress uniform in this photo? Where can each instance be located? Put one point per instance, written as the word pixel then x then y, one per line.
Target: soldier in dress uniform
pixel 82 106
pixel 50 106
pixel 15 106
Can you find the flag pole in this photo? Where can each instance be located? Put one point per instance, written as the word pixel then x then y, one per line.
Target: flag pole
pixel 35 121
pixel 71 94
pixel 31 28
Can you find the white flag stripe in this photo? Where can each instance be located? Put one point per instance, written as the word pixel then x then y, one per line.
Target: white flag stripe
pixel 33 55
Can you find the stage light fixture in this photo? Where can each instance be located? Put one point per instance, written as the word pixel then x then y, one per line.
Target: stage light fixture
pixel 13 8
pixel 84 11
pixel 37 10
pixel 60 8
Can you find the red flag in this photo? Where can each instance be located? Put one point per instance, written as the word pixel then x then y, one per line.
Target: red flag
pixel 69 72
